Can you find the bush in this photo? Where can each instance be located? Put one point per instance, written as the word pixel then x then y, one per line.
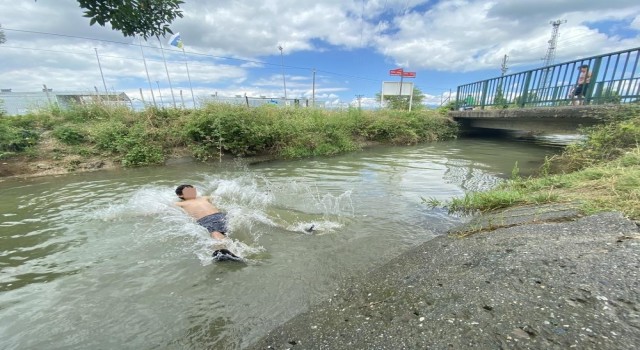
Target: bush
pixel 15 139
pixel 603 142
pixel 110 136
pixel 140 155
pixel 236 129
pixel 69 135
pixel 79 113
pixel 136 144
pixel 407 128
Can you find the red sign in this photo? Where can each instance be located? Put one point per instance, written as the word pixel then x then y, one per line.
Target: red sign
pixel 397 71
pixel 409 74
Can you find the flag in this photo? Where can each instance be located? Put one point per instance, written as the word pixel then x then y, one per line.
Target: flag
pixel 176 40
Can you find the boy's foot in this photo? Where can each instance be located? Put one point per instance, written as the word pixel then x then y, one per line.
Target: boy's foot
pixel 224 255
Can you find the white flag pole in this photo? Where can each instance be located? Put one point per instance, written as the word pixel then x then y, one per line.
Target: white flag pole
pixel 193 97
pixel 153 97
pixel 173 97
pixel 176 40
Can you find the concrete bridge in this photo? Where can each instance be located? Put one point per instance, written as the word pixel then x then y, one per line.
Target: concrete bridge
pixel 537 120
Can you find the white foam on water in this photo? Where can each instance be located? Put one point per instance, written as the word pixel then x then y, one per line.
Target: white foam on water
pixel 146 201
pixel 252 204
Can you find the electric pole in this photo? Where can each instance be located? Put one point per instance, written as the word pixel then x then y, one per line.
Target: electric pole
pixel 284 82
pixel 359 97
pixel 503 67
pixel 551 52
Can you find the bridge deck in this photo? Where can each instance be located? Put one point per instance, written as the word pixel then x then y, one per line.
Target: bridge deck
pixel 543 119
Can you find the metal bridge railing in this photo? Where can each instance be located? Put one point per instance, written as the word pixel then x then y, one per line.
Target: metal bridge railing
pixel 614 78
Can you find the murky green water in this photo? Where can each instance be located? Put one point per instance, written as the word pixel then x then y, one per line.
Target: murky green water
pixel 105 260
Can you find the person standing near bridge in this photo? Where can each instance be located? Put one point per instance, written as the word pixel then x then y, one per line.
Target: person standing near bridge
pixel 584 78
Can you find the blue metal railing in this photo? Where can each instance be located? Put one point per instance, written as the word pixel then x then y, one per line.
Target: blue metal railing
pixel 615 78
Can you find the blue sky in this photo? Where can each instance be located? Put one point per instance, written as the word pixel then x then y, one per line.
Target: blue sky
pixel 232 46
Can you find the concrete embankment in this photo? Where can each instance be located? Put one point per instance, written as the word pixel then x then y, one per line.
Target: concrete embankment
pixel 528 278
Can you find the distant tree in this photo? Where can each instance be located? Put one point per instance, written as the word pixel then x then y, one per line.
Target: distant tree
pixel 611 96
pixel 445 108
pixel 532 97
pixel 402 102
pixel 499 100
pixel 147 18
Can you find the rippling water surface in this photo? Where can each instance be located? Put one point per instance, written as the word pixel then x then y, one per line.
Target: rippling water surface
pixel 105 260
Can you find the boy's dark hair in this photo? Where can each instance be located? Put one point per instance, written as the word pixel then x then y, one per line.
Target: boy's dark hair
pixel 180 188
pixel 584 66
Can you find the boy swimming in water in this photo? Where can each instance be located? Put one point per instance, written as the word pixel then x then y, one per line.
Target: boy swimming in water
pixel 207 215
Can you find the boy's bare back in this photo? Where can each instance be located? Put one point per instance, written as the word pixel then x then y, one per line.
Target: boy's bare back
pixel 197 207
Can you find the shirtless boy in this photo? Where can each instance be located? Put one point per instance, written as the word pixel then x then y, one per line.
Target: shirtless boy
pixel 206 214
pixel 584 78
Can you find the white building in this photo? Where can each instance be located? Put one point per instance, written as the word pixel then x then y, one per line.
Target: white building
pixel 19 103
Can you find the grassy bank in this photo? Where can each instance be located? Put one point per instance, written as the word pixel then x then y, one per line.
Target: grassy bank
pixel 601 172
pixel 130 138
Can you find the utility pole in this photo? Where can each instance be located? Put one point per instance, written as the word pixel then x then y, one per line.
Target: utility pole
pixel 359 97
pixel 313 93
pixel 503 67
pixel 284 82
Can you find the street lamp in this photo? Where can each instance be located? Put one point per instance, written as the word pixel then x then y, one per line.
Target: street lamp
pixel 284 82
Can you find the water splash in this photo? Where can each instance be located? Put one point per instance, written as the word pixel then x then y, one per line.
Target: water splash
pixel 254 205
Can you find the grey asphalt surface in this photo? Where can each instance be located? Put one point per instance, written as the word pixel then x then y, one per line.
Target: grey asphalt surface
pixel 527 279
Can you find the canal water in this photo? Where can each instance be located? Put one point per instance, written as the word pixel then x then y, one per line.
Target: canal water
pixel 105 260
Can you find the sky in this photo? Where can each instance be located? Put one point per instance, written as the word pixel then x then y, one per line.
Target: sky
pixel 336 51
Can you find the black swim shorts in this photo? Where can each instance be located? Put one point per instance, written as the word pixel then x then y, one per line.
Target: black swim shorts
pixel 580 90
pixel 214 222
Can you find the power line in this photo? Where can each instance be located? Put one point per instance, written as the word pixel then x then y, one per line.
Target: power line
pixel 191 53
pixel 565 41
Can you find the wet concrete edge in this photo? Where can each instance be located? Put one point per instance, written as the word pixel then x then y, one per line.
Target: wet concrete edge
pixel 537 277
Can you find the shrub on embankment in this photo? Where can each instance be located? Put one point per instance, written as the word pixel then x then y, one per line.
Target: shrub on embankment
pixel 601 172
pixel 150 136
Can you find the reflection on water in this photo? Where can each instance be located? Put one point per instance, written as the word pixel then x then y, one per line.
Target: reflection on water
pixel 106 260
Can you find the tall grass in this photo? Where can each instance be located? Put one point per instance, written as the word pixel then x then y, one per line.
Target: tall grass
pixel 602 172
pixel 149 136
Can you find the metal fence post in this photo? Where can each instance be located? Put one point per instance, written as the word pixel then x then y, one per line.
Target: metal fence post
pixel 485 86
pixel 525 90
pixel 594 77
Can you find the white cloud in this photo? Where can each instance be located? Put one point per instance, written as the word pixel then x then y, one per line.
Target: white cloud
pixel 232 47
pixel 635 24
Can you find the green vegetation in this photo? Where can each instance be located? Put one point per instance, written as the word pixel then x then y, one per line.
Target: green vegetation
pixel 147 18
pixel 402 102
pixel 150 136
pixel 601 173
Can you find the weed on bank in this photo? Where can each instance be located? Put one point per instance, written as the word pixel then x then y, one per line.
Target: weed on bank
pixel 602 172
pixel 150 136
